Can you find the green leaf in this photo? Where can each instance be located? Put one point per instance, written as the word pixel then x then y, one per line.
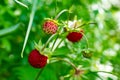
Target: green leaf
pixel 21 73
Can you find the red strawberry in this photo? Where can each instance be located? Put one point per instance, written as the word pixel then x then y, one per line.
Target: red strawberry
pixel 36 59
pixel 50 27
pixel 75 36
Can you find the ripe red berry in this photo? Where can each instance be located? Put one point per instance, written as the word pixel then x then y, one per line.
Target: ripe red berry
pixel 75 36
pixel 50 27
pixel 36 59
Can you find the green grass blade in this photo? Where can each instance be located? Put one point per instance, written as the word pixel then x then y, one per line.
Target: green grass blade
pixel 29 25
pixel 22 4
pixel 9 30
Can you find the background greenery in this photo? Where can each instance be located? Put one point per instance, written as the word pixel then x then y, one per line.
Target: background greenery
pixel 104 39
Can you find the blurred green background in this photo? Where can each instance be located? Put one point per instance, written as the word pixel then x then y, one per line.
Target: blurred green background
pixel 104 39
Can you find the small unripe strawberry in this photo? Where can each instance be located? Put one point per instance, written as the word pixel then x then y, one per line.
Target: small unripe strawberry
pixel 75 36
pixel 87 54
pixel 50 27
pixel 36 59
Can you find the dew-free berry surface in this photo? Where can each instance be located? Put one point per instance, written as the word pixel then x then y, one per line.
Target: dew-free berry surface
pixel 74 36
pixel 50 27
pixel 36 59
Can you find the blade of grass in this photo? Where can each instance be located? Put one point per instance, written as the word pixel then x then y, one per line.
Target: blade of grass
pixel 22 4
pixel 29 25
pixel 9 30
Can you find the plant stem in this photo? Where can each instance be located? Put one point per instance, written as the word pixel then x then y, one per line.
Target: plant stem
pixel 58 35
pixel 54 42
pixel 86 24
pixel 48 41
pixel 91 23
pixel 83 24
pixel 60 13
pixel 59 44
pixel 67 62
pixel 38 75
pixel 85 39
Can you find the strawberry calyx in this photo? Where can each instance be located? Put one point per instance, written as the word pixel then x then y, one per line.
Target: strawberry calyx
pixel 49 19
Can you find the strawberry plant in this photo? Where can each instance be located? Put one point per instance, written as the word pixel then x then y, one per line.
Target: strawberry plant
pixel 59 40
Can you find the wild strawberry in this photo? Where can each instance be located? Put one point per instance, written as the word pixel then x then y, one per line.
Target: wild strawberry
pixel 36 59
pixel 75 36
pixel 87 54
pixel 50 27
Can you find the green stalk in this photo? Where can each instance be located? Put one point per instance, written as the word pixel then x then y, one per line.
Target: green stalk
pixel 57 16
pixel 38 75
pixel 48 42
pixel 85 39
pixel 29 25
pixel 86 24
pixel 65 10
pixel 54 42
pixel 59 44
pixel 60 59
